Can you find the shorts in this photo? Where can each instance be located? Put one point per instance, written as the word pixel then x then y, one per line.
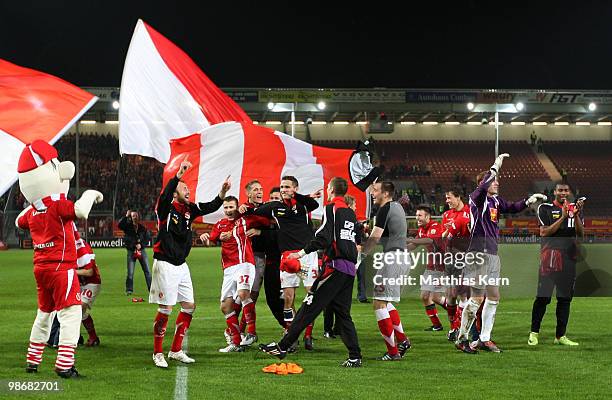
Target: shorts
pixel 389 279
pixel 481 274
pixel 431 281
pixel 89 293
pixel 563 281
pixel 260 265
pixel 235 278
pixel 292 280
pixel 57 289
pixel 170 284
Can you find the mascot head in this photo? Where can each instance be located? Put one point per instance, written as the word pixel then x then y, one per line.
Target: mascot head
pixel 41 174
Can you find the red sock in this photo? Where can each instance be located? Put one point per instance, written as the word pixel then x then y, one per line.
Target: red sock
pixel 451 310
pixel 432 313
pixel 35 352
pixel 479 317
pixel 249 316
pixel 386 330
pixel 397 323
pixel 159 331
pixel 232 323
pixel 65 357
pixel 88 323
pixel 182 324
pixel 457 323
pixel 308 332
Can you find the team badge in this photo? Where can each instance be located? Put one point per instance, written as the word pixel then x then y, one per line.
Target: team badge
pixel 187 215
pixel 493 213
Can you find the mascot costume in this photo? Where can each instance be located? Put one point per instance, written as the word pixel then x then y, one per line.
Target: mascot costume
pixel 44 182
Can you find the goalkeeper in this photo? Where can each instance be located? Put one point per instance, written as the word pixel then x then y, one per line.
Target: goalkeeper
pixel 482 273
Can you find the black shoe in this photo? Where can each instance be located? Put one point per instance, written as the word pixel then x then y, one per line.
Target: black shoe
pixel 81 340
pixel 273 349
pixel 128 292
pixel 308 343
pixel 452 335
pixel 31 368
pixel 403 347
pixel 364 301
pixel 329 335
pixel 389 357
pixel 434 328
pixel 68 373
pixel 464 346
pixel 294 347
pixel 351 363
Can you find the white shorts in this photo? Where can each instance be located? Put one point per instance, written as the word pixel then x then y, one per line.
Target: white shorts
pixel 89 293
pixel 292 280
pixel 431 281
pixel 235 278
pixel 260 265
pixel 170 284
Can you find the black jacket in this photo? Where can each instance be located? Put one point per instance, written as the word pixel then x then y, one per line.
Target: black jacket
pixel 133 235
pixel 174 219
pixel 293 219
pixel 336 235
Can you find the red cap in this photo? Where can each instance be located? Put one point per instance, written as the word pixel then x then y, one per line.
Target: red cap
pixel 36 154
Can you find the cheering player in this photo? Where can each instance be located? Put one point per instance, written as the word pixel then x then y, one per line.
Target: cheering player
pixel 560 225
pixel 171 281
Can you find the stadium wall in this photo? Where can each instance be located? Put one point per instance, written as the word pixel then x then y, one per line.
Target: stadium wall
pixel 419 132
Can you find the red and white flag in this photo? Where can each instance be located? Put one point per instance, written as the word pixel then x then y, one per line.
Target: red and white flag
pixel 246 152
pixel 164 95
pixel 34 105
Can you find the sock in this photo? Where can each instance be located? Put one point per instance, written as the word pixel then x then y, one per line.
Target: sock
pixel 467 318
pixel 249 316
pixel 232 323
pixel 308 332
pixel 397 323
pixel 478 321
pixel 288 317
pixel 65 357
pixel 182 324
pixel 488 319
pixel 35 352
pixel 88 323
pixel 451 310
pixel 386 330
pixel 159 329
pixel 432 313
pixel 443 303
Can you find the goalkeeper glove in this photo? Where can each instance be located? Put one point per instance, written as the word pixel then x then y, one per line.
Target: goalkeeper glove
pixel 498 162
pixel 534 198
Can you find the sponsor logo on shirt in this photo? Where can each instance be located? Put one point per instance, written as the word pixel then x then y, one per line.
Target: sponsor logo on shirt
pixel 493 213
pixel 34 213
pixel 44 245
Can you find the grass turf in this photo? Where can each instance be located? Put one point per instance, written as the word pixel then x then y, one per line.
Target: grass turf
pixel 122 367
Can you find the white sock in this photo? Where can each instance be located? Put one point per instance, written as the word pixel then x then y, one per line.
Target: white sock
pixel 467 318
pixel 488 319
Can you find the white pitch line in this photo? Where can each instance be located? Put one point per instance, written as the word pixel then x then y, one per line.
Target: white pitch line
pixel 182 375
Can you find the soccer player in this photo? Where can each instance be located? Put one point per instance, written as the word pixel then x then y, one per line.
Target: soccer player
pixel 89 278
pixel 238 265
pixel 432 290
pixel 390 228
pixel 272 283
pixel 295 231
pixel 456 225
pixel 485 207
pixel 560 225
pixel 171 280
pixel 334 288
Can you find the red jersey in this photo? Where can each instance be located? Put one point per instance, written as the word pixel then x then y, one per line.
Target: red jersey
pixel 86 259
pixel 237 249
pixel 459 231
pixel 435 259
pixel 49 221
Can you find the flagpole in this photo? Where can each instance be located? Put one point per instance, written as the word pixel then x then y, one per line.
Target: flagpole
pixel 292 119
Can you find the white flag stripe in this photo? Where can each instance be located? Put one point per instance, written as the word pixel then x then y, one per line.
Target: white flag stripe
pixel 301 163
pixel 222 154
pixel 11 150
pixel 155 105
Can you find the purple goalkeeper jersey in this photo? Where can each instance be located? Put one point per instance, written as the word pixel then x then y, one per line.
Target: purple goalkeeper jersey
pixel 484 216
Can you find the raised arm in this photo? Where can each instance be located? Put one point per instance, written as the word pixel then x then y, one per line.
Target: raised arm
pixel 165 198
pixel 309 202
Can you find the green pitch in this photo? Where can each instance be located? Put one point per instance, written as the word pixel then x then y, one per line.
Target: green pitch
pixel 121 368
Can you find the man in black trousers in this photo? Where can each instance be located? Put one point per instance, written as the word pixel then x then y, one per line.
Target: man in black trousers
pixel 135 240
pixel 334 288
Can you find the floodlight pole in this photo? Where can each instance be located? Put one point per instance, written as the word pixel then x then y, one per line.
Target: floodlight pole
pixel 496 132
pixel 293 119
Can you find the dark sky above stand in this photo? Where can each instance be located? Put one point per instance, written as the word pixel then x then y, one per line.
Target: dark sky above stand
pixel 430 44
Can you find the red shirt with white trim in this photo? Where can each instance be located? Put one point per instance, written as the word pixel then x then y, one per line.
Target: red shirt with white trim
pixel 433 230
pixel 86 259
pixel 49 221
pixel 459 232
pixel 237 249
